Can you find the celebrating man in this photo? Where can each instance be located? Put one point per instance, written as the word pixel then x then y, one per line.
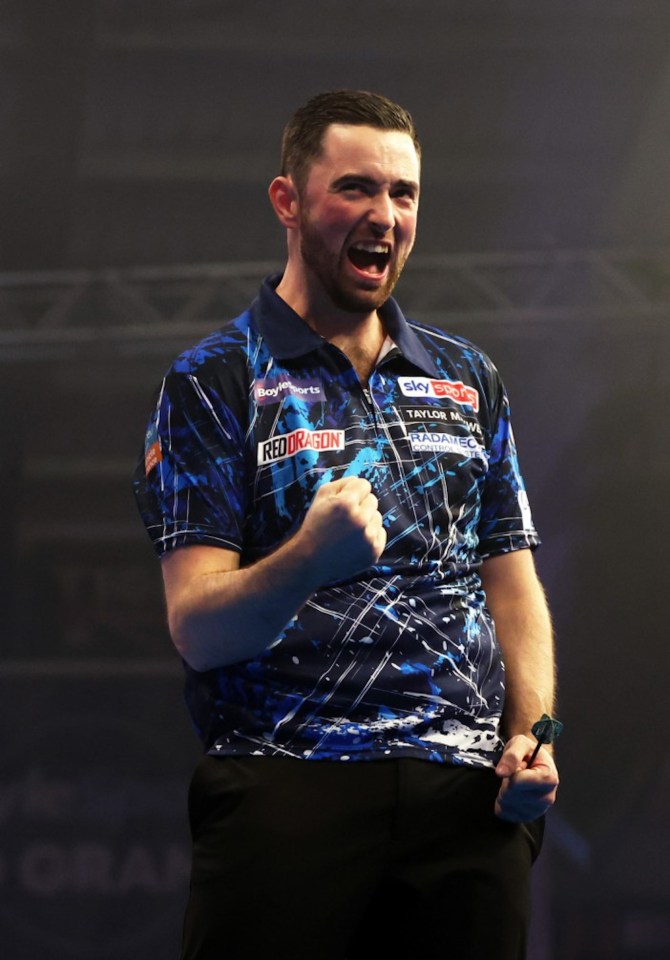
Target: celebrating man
pixel 346 549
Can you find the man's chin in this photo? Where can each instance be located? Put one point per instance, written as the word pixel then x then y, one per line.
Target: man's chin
pixel 361 300
pixel 358 303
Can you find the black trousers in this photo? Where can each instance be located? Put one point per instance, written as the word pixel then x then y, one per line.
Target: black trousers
pixel 321 860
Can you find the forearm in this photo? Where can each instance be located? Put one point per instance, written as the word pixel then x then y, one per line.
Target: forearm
pixel 219 617
pixel 527 644
pixel 220 613
pixel 523 627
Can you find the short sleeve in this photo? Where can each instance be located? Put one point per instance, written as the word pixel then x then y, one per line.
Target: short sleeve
pixel 190 482
pixel 506 522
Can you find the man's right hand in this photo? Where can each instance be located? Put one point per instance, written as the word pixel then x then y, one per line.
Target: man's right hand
pixel 343 529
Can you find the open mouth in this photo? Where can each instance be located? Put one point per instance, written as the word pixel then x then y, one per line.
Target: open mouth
pixel 371 258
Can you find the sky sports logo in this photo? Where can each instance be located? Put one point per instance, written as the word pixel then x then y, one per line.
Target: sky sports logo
pixel 454 390
pixel 279 448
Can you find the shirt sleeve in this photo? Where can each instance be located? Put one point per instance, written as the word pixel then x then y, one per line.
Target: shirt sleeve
pixel 506 522
pixel 190 481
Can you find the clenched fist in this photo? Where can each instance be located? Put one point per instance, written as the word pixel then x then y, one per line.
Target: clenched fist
pixel 343 529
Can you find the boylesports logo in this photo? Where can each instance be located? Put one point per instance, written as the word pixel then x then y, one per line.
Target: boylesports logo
pixel 279 448
pixel 454 390
pixel 273 390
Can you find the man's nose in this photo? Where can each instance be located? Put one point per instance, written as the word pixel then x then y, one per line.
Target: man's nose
pixel 382 213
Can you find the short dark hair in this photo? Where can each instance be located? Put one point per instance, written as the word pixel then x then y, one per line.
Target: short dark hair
pixel 303 135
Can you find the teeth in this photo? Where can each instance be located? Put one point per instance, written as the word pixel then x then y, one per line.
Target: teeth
pixel 372 247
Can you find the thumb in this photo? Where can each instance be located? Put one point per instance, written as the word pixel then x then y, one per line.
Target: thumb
pixel 513 756
pixel 507 767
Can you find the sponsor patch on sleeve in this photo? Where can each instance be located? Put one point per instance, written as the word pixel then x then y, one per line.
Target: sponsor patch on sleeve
pixel 290 444
pixel 454 390
pixel 152 449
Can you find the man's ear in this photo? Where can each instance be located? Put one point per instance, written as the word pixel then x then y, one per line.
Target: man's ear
pixel 284 199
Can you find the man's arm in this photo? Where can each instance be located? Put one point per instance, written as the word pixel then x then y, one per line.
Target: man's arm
pixel 523 626
pixel 220 613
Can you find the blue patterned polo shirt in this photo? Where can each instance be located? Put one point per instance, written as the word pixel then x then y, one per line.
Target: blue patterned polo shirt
pixel 402 659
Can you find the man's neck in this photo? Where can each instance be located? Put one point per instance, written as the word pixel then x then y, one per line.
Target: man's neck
pixel 359 336
pixel 361 350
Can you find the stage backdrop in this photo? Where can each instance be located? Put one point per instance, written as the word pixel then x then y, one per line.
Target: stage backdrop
pixel 97 747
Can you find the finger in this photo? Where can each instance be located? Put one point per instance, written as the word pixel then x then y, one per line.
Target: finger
pixel 516 750
pixel 521 785
pixel 369 508
pixel 355 489
pixel 522 813
pixel 378 537
pixel 520 806
pixel 530 788
pixel 544 765
pixel 526 807
pixel 331 488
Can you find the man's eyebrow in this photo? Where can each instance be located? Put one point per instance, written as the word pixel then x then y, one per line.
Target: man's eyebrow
pixel 407 184
pixel 372 181
pixel 358 177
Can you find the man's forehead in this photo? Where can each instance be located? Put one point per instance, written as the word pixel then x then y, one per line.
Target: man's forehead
pixel 352 143
pixel 363 139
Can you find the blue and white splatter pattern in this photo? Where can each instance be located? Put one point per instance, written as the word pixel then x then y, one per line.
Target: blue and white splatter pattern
pixel 401 660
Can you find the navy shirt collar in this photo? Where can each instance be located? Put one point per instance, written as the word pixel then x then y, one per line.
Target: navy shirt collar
pixel 288 336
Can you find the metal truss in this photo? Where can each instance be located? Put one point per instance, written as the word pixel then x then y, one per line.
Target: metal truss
pixel 143 310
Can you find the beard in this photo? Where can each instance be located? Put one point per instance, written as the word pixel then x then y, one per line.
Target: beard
pixel 327 267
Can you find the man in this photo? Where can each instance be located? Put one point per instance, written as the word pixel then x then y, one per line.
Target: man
pixel 335 495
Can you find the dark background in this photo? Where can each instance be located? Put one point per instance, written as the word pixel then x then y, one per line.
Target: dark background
pixel 137 142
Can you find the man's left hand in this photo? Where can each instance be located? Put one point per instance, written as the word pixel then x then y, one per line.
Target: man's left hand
pixel 526 792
